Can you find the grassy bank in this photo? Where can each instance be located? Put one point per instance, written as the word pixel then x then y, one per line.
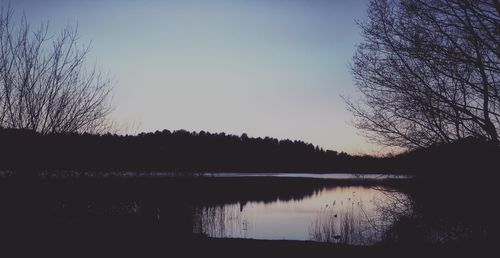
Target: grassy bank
pixel 207 247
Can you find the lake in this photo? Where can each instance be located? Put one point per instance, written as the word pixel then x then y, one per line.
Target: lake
pixel 78 209
pixel 313 175
pixel 130 174
pixel 349 214
pixel 340 214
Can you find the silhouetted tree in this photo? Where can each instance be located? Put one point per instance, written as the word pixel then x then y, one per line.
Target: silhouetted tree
pixel 45 84
pixel 428 71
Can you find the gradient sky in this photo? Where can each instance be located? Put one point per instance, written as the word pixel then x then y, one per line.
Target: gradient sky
pixel 267 68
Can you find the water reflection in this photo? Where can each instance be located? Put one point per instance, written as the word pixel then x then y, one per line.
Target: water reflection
pixel 350 215
pixel 220 221
pixel 122 211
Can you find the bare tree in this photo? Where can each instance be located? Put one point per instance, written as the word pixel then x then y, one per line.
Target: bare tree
pixel 428 71
pixel 45 84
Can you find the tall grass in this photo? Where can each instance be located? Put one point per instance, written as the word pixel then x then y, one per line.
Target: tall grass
pixel 219 221
pixel 349 224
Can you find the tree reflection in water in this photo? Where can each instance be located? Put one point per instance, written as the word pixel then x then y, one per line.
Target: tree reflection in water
pixel 355 215
pixel 219 221
pixel 361 222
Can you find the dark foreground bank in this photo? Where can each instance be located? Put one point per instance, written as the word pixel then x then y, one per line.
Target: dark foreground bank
pixel 207 247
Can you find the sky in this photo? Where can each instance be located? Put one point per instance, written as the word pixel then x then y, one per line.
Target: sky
pixel 262 67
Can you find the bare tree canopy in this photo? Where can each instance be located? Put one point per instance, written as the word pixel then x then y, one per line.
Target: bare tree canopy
pixel 45 84
pixel 428 71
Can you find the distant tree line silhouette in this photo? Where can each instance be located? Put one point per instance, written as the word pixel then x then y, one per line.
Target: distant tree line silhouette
pixel 184 151
pixel 174 151
pixel 466 159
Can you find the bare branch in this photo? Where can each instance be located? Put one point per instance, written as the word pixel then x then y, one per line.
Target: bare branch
pixel 45 84
pixel 428 72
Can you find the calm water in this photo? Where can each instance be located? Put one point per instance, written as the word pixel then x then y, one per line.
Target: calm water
pixel 353 215
pixel 127 174
pixel 313 175
pixel 141 208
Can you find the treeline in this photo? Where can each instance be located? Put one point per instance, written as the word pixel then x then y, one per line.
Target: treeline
pixel 467 157
pixel 174 151
pixel 183 151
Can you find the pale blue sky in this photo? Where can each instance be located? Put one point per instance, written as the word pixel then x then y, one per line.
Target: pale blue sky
pixel 267 68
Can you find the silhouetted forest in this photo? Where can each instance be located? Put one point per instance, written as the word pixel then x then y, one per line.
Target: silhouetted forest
pixel 185 151
pixel 174 151
pixel 464 157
